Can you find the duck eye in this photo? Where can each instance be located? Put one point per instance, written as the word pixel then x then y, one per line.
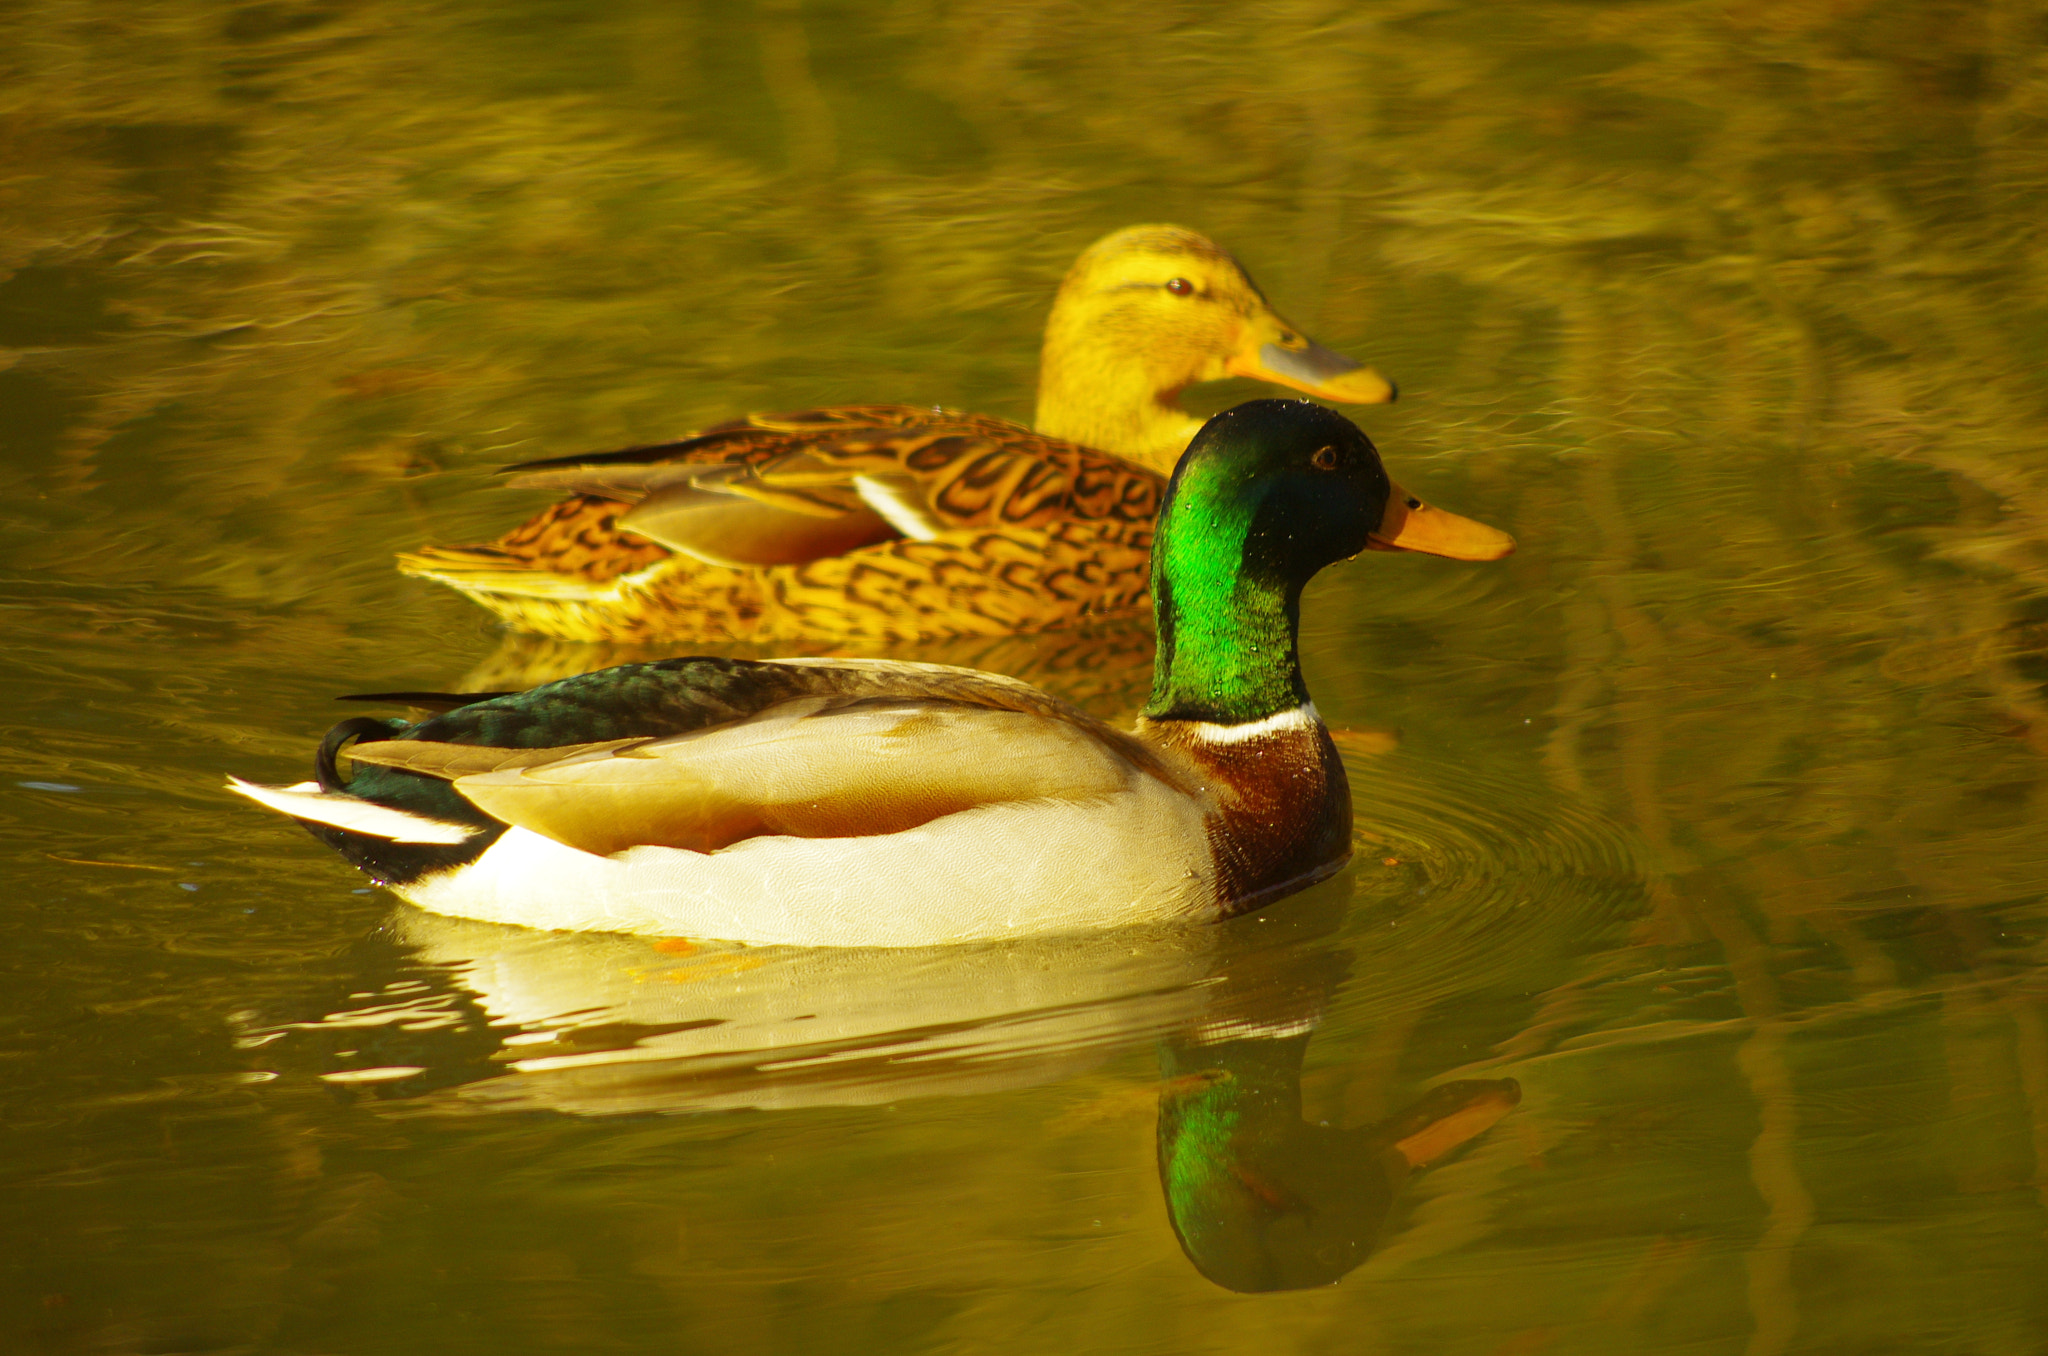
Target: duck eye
pixel 1180 287
pixel 1325 459
pixel 1413 502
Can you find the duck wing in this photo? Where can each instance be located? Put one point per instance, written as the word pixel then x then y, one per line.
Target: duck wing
pixel 736 439
pixel 792 488
pixel 846 749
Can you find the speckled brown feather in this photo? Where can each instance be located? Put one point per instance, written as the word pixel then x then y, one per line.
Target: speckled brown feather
pixel 1036 532
pixel 578 538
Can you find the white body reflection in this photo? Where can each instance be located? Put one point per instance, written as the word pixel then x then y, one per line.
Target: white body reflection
pixel 613 1024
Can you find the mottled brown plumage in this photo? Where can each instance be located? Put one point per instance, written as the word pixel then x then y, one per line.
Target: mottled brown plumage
pixel 1035 532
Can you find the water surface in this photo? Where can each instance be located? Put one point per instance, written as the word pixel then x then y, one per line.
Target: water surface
pixel 1712 819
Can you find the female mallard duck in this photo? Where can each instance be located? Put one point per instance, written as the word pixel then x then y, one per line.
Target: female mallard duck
pixel 850 802
pixel 889 522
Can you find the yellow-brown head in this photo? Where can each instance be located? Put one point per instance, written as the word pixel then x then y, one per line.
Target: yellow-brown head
pixel 1150 310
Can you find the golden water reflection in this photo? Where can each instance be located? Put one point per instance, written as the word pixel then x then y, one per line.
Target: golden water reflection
pixel 1714 818
pixel 1260 1198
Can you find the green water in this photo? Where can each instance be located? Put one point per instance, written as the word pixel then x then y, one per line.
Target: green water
pixel 1715 818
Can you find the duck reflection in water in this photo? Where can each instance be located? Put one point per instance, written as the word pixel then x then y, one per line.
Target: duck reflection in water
pixel 1260 1198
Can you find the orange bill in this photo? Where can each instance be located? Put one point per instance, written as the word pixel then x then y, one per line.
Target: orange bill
pixel 1274 351
pixel 1460 1126
pixel 1411 525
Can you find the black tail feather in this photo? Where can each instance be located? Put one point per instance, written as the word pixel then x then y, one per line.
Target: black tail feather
pixel 354 728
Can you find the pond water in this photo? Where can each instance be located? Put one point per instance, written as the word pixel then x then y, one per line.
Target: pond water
pixel 1688 990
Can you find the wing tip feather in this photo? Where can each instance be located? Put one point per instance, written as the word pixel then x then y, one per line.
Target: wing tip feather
pixel 306 801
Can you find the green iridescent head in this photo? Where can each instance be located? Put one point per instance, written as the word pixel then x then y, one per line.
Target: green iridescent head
pixel 1268 493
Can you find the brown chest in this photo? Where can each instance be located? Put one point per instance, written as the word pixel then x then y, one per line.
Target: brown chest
pixel 1282 816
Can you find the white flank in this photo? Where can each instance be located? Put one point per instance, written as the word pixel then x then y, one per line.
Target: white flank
pixel 308 801
pixel 1303 717
pixel 1010 870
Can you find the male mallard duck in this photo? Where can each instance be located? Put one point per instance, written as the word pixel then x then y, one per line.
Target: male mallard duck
pixel 893 522
pixel 861 802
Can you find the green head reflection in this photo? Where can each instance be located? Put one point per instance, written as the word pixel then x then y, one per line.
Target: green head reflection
pixel 1263 1200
